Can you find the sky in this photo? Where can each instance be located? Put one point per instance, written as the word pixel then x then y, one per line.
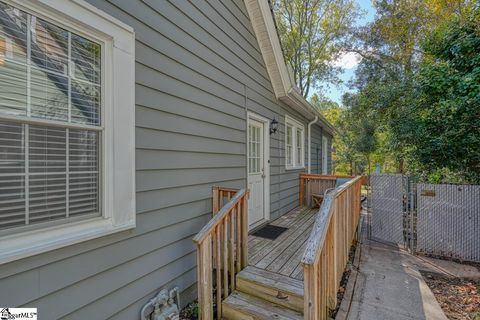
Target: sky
pixel 349 61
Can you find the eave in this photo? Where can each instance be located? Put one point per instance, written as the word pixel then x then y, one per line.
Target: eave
pixel 283 85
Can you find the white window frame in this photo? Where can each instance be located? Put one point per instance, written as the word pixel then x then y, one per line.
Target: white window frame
pixel 117 138
pixel 296 125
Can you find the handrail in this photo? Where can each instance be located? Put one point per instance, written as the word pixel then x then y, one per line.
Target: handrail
pixel 312 183
pixel 206 230
pixel 327 248
pixel 319 231
pixel 324 176
pixel 219 195
pixel 222 252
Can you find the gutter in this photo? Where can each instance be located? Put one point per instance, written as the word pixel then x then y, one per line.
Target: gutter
pixel 310 143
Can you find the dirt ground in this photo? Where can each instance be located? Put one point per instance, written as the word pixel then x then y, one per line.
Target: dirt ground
pixel 344 281
pixel 458 297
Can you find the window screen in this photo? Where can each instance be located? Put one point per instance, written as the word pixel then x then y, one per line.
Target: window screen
pixel 50 124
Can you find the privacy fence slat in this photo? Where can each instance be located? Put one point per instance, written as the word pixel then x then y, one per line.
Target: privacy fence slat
pixel 326 252
pixel 221 249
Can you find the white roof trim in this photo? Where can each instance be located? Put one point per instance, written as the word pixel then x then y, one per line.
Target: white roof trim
pixel 283 85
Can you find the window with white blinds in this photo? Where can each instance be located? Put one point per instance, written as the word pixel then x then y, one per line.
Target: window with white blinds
pixel 50 122
pixel 294 144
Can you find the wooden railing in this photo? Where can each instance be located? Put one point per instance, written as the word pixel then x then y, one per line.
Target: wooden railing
pixel 315 184
pixel 220 196
pixel 222 252
pixel 327 249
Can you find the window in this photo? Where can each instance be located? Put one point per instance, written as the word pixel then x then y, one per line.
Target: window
pixel 294 144
pixel 57 122
pixel 255 135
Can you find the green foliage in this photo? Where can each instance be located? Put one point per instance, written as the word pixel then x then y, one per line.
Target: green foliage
pixel 312 34
pixel 356 139
pixel 448 107
pixel 195 311
pixel 416 101
pixel 418 84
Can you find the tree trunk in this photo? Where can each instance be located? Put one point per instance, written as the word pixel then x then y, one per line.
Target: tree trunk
pixel 401 166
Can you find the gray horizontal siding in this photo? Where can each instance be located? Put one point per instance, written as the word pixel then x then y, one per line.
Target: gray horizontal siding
pixel 198 70
pixel 316 148
pixel 329 154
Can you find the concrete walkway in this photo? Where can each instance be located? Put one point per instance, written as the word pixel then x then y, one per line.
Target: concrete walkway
pixel 387 284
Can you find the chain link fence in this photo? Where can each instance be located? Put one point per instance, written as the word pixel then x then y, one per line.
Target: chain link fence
pixel 436 219
pixel 448 220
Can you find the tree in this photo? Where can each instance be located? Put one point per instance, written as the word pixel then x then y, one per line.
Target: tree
pixel 447 111
pixel 356 140
pixel 393 55
pixel 311 32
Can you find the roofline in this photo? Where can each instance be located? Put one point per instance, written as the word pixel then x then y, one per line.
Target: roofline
pixel 282 81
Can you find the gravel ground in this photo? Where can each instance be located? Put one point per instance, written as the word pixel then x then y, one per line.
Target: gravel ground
pixel 458 297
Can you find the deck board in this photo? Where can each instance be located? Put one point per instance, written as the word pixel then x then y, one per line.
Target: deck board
pixel 283 255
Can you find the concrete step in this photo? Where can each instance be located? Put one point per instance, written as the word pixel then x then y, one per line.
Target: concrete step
pixel 242 306
pixel 273 287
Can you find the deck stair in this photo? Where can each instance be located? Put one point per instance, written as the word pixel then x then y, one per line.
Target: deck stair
pixel 261 294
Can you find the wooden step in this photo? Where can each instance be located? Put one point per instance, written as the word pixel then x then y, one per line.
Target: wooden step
pixel 241 306
pixel 272 287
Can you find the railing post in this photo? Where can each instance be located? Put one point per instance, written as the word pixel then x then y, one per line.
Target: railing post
pixel 205 285
pixel 309 299
pixel 302 191
pixel 244 231
pixel 215 200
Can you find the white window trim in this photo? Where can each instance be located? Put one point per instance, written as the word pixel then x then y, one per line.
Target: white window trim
pixel 295 124
pixel 118 138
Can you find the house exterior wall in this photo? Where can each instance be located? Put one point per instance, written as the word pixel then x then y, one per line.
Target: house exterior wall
pixel 316 149
pixel 329 156
pixel 198 71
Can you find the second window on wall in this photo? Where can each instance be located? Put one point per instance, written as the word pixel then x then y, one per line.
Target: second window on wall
pixel 294 144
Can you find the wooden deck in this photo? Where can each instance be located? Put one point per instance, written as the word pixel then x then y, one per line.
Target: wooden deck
pixel 283 255
pixel 293 277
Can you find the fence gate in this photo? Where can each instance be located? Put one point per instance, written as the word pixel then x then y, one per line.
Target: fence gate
pixel 438 219
pixel 387 206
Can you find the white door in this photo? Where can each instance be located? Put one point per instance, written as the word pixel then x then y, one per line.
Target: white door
pixel 256 172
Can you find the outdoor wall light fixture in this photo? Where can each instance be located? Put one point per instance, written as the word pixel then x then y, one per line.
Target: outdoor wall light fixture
pixel 273 126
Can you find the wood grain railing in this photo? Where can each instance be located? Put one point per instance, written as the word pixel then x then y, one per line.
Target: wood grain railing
pixel 220 196
pixel 315 184
pixel 327 249
pixel 222 252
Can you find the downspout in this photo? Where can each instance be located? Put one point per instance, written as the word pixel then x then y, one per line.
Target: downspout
pixel 309 134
